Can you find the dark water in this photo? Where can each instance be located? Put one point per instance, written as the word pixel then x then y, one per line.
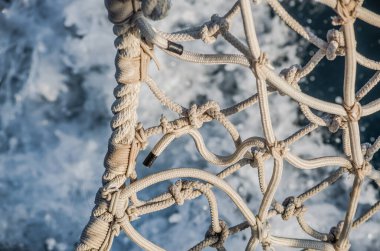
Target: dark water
pixel 326 81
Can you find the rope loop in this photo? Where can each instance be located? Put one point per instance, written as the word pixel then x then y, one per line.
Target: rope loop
pixel 354 112
pixel 221 236
pixel 335 45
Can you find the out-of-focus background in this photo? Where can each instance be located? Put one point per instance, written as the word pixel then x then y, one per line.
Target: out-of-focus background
pixel 56 83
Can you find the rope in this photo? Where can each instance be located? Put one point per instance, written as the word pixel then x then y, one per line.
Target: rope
pixel 117 202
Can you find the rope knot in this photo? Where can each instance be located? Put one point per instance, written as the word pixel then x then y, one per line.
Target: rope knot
pixel 176 191
pixel 193 114
pixel 336 123
pixel 277 150
pixel 155 9
pixel 258 63
pixel 363 170
pixel 346 10
pixel 261 232
pixel 140 136
pixel 335 232
pixel 221 22
pixel 210 30
pixel 132 213
pixel 291 75
pixel 354 112
pixel 292 207
pixel 165 125
pixel 116 226
pixel 335 45
pixel 221 236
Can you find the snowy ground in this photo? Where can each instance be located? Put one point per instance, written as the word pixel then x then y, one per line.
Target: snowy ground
pixel 56 82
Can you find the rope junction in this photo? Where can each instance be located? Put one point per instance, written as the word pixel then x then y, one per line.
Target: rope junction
pixel 117 202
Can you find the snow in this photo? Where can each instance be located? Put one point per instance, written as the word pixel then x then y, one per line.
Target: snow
pixel 56 82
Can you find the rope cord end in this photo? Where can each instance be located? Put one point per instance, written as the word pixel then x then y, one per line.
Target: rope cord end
pixel 149 160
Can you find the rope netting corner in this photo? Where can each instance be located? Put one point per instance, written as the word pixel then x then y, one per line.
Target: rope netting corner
pixel 117 202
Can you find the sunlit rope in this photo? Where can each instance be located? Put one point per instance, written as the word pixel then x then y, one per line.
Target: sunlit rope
pixel 117 203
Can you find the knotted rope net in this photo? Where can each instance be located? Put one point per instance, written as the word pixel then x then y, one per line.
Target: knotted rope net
pixel 117 203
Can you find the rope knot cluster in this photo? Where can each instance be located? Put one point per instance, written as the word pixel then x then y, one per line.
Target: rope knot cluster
pixel 335 45
pixel 221 236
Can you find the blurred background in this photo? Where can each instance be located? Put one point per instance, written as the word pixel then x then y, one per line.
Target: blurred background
pixel 56 84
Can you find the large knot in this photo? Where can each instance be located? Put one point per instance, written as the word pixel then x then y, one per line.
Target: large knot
pixel 193 114
pixel 292 207
pixel 155 9
pixel 346 10
pixel 140 136
pixel 354 112
pixel 336 123
pixel 221 236
pixel 176 191
pixel 335 45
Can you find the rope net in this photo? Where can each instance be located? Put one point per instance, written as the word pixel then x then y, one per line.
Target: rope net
pixel 117 202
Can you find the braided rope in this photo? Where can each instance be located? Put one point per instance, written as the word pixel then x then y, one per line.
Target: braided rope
pixel 117 204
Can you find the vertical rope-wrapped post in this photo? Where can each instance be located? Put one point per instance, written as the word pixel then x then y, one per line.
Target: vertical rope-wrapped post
pixel 131 65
